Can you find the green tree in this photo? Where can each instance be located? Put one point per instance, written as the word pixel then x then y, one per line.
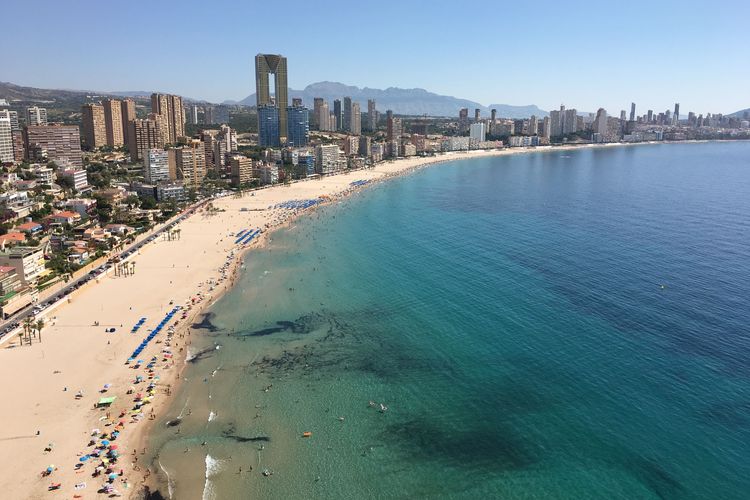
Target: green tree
pixel 148 203
pixel 39 326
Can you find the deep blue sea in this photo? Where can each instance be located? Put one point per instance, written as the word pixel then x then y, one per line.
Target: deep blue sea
pixel 570 324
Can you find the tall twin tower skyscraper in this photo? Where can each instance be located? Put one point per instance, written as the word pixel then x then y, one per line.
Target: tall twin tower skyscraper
pixel 266 65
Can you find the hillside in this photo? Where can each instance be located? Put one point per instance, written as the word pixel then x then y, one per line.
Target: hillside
pixel 402 101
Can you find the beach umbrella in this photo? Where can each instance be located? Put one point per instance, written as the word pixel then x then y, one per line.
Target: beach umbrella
pixel 105 442
pixel 50 468
pixel 84 458
pixel 107 386
pixel 113 476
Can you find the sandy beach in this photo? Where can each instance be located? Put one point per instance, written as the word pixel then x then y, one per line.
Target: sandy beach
pixel 41 381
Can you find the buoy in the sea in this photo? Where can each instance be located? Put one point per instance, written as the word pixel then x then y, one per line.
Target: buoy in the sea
pixel 307 434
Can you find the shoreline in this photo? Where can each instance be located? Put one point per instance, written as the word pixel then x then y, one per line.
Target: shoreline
pixel 83 307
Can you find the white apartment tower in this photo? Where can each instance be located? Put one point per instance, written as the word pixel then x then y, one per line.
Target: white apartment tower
pixel 36 116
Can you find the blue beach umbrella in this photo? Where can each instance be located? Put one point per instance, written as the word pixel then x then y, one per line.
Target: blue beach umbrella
pixel 84 458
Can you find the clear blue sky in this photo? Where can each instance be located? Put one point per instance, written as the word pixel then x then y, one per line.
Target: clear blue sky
pixel 581 53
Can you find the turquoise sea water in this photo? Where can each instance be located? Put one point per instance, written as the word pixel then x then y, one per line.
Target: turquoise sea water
pixel 554 325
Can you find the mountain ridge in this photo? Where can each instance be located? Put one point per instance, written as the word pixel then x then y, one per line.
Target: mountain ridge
pixel 414 101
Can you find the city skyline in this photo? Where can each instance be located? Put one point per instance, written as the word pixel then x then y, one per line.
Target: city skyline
pixel 652 54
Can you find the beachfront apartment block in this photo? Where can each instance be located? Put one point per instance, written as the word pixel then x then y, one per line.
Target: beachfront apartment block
pixel 14 294
pixel 242 170
pixel 327 159
pixel 27 261
pixel 478 131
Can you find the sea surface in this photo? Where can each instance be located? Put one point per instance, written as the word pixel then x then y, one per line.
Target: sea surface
pixel 569 324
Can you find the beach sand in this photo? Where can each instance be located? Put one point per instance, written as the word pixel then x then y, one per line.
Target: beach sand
pixel 41 380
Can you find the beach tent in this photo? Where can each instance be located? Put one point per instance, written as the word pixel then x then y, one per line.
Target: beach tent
pixel 106 401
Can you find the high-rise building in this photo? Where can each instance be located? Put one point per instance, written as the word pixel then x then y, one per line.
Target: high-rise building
pixel 6 138
pixel 144 135
pixel 326 158
pixel 208 138
pixel 159 166
pixel 477 113
pixel 127 110
pixel 355 120
pixel 600 122
pixel 191 163
pixel 477 132
pixel 316 118
pixel 338 112
pixel 297 102
pixel 323 117
pixel 393 127
pixel 623 115
pixel 192 114
pixel 372 116
pixel 365 144
pixel 113 122
pixel 676 115
pixel 298 134
pixel 57 143
pixel 13 117
pixel 36 116
pixel 546 127
pixel 169 107
pixel 463 120
pixel 632 111
pixel 570 121
pixel 229 137
pixel 241 170
pixel 272 64
pixel 268 126
pixel 533 125
pixel 348 115
pixel 93 126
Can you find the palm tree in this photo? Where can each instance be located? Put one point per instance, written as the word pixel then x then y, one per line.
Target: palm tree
pixel 20 338
pixel 27 327
pixel 39 325
pixel 132 268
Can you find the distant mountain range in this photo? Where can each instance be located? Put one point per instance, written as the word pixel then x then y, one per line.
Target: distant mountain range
pixel 741 113
pixel 401 101
pixel 62 98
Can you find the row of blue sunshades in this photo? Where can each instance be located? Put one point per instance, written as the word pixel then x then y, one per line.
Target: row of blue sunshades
pixel 245 236
pixel 358 183
pixel 294 204
pixel 138 325
pixel 153 333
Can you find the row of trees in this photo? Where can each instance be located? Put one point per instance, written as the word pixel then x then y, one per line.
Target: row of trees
pixel 30 329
